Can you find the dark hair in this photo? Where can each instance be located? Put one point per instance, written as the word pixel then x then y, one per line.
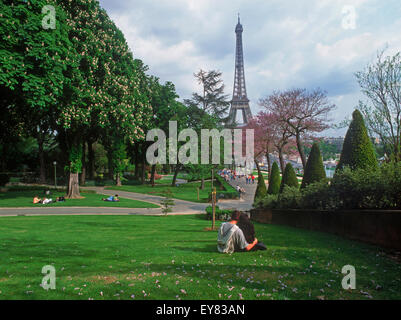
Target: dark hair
pixel 116 195
pixel 247 227
pixel 235 215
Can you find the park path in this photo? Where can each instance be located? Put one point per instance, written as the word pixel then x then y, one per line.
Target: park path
pixel 246 201
pixel 181 207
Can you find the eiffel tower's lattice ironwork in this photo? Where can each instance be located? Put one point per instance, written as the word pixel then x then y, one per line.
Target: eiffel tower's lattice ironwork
pixel 240 101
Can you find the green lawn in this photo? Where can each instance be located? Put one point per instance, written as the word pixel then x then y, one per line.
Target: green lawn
pixel 186 191
pixel 24 199
pixel 149 257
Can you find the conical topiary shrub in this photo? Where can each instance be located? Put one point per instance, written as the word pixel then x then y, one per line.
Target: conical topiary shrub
pixel 289 178
pixel 274 181
pixel 261 189
pixel 358 152
pixel 314 169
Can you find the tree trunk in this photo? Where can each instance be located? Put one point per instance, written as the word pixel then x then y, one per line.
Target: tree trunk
pixel 202 183
pixel 301 150
pixel 258 167
pixel 152 175
pixel 269 164
pixel 177 170
pixel 91 160
pixel 143 175
pixel 110 166
pixel 118 179
pixel 42 178
pixel 136 161
pixel 83 173
pixel 280 155
pixel 73 187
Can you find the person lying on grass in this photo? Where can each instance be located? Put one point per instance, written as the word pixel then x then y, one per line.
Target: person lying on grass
pixel 245 224
pixel 112 198
pixel 230 237
pixel 36 200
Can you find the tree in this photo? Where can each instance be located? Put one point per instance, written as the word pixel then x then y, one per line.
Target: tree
pixel 274 180
pixel 289 178
pixel 358 151
pixel 381 84
pixel 167 202
pixel 263 136
pixel 212 98
pixel 32 67
pixel 261 190
pixel 302 111
pixel 314 170
pixel 102 86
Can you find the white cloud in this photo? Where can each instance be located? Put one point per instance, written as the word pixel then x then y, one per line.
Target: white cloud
pixel 286 43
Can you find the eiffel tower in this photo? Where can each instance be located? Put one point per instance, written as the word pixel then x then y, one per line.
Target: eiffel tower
pixel 240 101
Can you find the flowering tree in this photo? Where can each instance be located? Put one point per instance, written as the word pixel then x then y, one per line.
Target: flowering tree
pixel 302 112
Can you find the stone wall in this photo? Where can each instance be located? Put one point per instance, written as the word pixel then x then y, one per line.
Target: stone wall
pixel 382 228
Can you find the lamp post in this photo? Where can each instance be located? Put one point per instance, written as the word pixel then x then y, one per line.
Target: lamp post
pixel 55 174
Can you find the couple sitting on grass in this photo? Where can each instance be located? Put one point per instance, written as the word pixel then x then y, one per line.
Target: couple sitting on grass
pixel 238 235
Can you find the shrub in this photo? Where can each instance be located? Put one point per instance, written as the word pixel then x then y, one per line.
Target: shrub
pixel 228 191
pixel 4 179
pixel 220 214
pixel 261 190
pixel 289 178
pixel 268 202
pixel 314 169
pixel 360 189
pixel 358 152
pixel 318 195
pixel 274 180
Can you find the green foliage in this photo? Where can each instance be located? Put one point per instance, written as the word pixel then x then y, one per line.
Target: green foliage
pixel 75 159
pixel 314 169
pixel 4 179
pixel 358 151
pixel 167 202
pixel 349 189
pixel 224 189
pixel 289 178
pixel 290 197
pixel 261 190
pixel 220 214
pixel 275 180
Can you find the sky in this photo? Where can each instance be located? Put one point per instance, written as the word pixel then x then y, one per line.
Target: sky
pixel 287 43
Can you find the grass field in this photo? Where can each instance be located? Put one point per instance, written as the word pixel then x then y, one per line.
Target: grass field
pixel 186 191
pixel 24 198
pixel 148 257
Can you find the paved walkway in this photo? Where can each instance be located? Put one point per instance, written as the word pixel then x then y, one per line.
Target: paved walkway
pixel 181 207
pixel 245 204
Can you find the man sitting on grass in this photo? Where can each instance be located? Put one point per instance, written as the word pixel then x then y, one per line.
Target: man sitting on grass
pixel 112 198
pixel 231 238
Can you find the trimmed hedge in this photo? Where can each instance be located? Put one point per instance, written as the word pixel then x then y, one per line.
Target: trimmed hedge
pixel 261 190
pixel 349 189
pixel 274 180
pixel 228 191
pixel 358 151
pixel 220 214
pixel 289 178
pixel 314 169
